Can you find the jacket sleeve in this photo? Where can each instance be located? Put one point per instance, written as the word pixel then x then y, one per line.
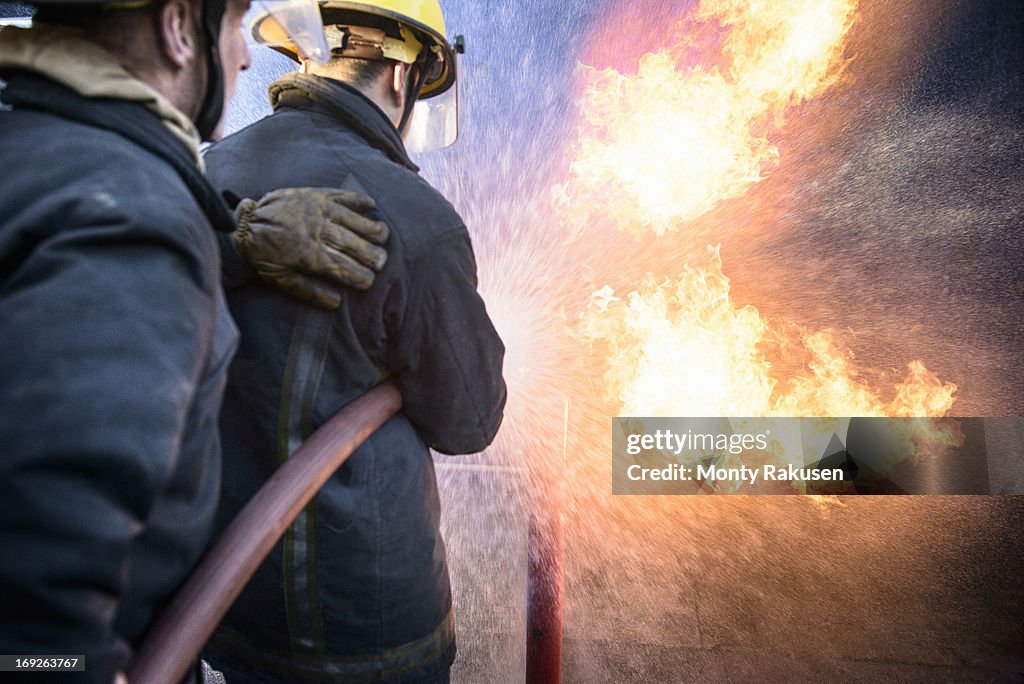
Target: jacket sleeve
pixel 100 327
pixel 448 356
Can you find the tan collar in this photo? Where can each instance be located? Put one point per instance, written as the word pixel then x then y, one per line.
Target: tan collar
pixel 69 58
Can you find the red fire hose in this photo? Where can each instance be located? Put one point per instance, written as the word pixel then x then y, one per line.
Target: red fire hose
pixel 174 642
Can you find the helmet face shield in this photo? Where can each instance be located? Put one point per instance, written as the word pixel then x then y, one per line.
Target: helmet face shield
pixel 294 24
pixel 435 122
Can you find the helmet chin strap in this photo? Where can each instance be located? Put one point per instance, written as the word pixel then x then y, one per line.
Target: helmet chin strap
pixel 213 102
pixel 413 90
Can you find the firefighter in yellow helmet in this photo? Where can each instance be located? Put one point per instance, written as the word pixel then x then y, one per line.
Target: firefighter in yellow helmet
pixel 410 32
pixel 358 589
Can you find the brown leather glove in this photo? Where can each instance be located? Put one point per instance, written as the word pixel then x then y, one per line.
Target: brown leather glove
pixel 311 242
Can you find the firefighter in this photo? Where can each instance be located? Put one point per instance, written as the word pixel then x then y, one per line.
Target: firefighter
pixel 358 590
pixel 116 337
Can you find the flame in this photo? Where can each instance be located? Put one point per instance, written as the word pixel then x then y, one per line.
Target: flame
pixel 684 348
pixel 663 146
pixel 679 140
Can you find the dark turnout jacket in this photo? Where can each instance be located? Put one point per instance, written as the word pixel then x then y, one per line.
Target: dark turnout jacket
pixel 114 347
pixel 358 590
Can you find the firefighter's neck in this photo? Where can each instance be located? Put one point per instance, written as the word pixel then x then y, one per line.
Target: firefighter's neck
pixel 387 91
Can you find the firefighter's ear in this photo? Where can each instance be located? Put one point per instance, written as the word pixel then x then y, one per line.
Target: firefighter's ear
pixel 177 30
pixel 398 78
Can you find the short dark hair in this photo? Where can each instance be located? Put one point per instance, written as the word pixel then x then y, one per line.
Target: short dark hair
pixel 115 27
pixel 366 71
pixel 87 15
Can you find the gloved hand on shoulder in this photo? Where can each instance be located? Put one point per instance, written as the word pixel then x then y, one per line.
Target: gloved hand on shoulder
pixel 311 242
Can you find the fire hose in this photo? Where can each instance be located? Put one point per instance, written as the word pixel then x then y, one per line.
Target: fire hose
pixel 173 643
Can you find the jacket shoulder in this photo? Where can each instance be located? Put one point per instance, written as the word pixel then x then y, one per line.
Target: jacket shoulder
pixel 416 210
pixel 303 148
pixel 94 175
pixel 94 180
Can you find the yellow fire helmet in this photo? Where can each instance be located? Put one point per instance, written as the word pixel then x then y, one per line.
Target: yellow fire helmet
pixel 409 31
pixel 295 22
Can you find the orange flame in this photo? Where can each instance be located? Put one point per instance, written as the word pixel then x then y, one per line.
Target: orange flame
pixel 664 146
pixel 678 141
pixel 684 348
